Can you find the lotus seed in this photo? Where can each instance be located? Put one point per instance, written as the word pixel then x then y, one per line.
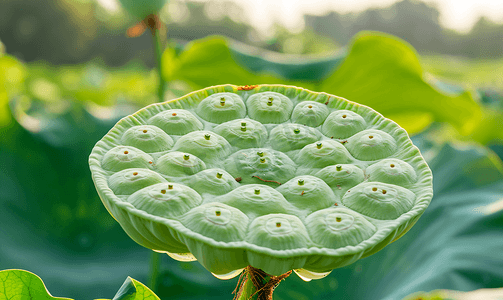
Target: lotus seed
pixel 186 156
pixel 219 175
pixel 207 136
pixel 301 182
pixel 257 191
pixel 318 145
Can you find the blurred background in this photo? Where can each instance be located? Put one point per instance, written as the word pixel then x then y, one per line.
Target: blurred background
pixel 69 72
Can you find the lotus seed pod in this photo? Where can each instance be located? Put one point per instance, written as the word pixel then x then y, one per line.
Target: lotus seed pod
pixel 307 193
pixel 323 153
pixel 278 232
pixel 338 227
pixel 310 189
pixel 269 107
pixel 371 145
pixel 310 113
pixel 129 181
pixel 379 200
pixel 256 200
pixel 206 145
pixel 148 138
pixel 178 163
pixel 141 9
pixel 221 107
pixel 342 176
pixel 342 124
pixel 124 157
pixel 260 165
pixel 286 137
pixel 176 121
pixel 243 133
pixel 166 200
pixel 213 181
pixel 217 221
pixel 394 171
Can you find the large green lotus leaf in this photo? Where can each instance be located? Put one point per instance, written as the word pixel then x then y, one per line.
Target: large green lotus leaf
pixel 20 284
pixel 134 290
pixel 142 8
pixel 384 72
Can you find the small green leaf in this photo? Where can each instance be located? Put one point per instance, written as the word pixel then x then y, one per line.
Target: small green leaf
pixel 132 289
pixel 21 284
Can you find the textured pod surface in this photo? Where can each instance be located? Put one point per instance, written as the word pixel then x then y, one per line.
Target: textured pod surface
pixel 276 177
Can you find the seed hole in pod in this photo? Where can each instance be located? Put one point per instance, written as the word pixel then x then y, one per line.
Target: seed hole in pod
pixel 260 153
pixel 219 175
pixel 300 181
pixel 374 189
pixel 392 165
pixel 257 191
pixel 384 191
pixel 371 136
pixel 186 156
pixel 217 213
pixel 135 173
pixel 338 168
pixel 310 106
pixel 163 191
pixel 338 219
pixel 170 186
pixel 207 136
pixel 126 152
pixel 278 224
pixel 173 114
pixel 296 131
pixel 262 160
pixel 145 131
pixel 344 116
pixel 319 145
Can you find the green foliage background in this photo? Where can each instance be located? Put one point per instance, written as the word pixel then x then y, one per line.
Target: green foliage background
pixel 54 225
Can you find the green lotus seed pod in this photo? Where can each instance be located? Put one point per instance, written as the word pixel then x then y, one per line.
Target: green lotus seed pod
pixel 286 137
pixel 278 232
pixel 124 157
pixel 148 138
pixel 166 200
pixel 129 181
pixel 342 176
pixel 256 200
pixel 218 221
pixel 206 145
pixel 379 200
pixel 178 163
pixel 308 193
pixel 338 227
pixel 221 107
pixel 266 189
pixel 270 167
pixel 342 124
pixel 371 145
pixel 141 9
pixel 310 113
pixel 323 153
pixel 269 107
pixel 176 121
pixel 243 133
pixel 392 171
pixel 213 181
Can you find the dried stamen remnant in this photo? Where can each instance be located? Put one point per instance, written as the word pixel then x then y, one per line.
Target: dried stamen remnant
pixel 302 194
pixel 219 175
pixel 135 173
pixel 264 180
pixel 247 87
pixel 238 179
